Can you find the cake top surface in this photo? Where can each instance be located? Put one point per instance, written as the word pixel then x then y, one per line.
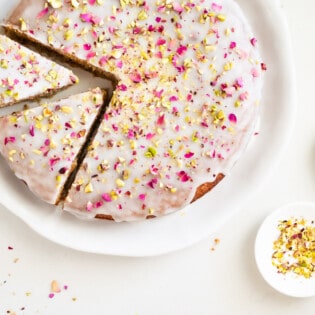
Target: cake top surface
pixel 186 102
pixel 41 144
pixel 25 74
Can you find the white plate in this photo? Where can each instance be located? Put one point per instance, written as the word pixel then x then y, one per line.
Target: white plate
pixel 203 217
pixel 290 283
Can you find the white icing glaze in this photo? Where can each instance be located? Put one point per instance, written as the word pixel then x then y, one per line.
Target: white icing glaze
pixel 25 74
pixel 185 105
pixel 41 144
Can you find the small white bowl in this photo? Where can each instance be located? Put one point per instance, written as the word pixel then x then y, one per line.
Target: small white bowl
pixel 290 283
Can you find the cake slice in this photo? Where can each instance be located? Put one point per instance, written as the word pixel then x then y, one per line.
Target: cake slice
pixel 26 75
pixel 43 145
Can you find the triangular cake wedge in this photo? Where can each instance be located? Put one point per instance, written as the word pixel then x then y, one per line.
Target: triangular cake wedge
pixel 42 145
pixel 26 75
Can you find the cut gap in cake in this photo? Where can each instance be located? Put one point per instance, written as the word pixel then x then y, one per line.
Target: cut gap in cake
pixel 84 148
pixel 26 75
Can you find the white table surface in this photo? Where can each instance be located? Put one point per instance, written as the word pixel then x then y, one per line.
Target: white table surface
pixel 196 280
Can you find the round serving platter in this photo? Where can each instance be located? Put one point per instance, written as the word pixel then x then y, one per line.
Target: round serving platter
pixel 205 216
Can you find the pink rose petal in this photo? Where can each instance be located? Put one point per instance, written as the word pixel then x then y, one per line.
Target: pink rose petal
pixel 142 197
pixel 181 50
pixel 102 61
pixel 253 41
pixel 161 120
pixel 255 73
pixel 122 87
pixel 86 17
pixel 158 93
pixel 216 7
pixel 232 45
pixel 183 176
pixel 32 132
pixel 160 41
pixel 154 170
pixel 89 206
pixel 87 46
pixel 173 98
pixel 91 55
pixel 233 118
pixel 240 82
pixel 149 136
pixel 42 13
pixel 53 161
pixel 9 139
pixel 189 155
pixel 177 7
pixel 152 183
pixel 135 77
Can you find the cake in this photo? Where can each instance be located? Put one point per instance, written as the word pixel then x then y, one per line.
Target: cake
pixel 26 75
pixel 186 101
pixel 42 145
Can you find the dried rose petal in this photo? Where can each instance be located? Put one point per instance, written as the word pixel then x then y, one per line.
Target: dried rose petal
pixel 42 13
pixel 89 206
pixel 152 183
pixel 87 46
pixel 233 118
pixel 181 50
pixel 161 120
pixel 142 197
pixel 173 98
pixel 106 197
pixel 232 45
pixel 183 176
pixel 135 77
pixel 32 132
pixel 216 7
pixel 91 55
pixel 158 93
pixel 177 7
pixel 9 139
pixel 149 136
pixel 253 41
pixel 189 155
pixel 160 41
pixel 102 61
pixel 122 87
pixel 86 17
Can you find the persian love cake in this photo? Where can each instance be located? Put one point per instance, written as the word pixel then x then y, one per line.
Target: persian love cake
pixel 26 75
pixel 188 79
pixel 42 145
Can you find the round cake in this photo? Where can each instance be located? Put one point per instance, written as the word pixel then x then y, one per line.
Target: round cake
pixel 186 101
